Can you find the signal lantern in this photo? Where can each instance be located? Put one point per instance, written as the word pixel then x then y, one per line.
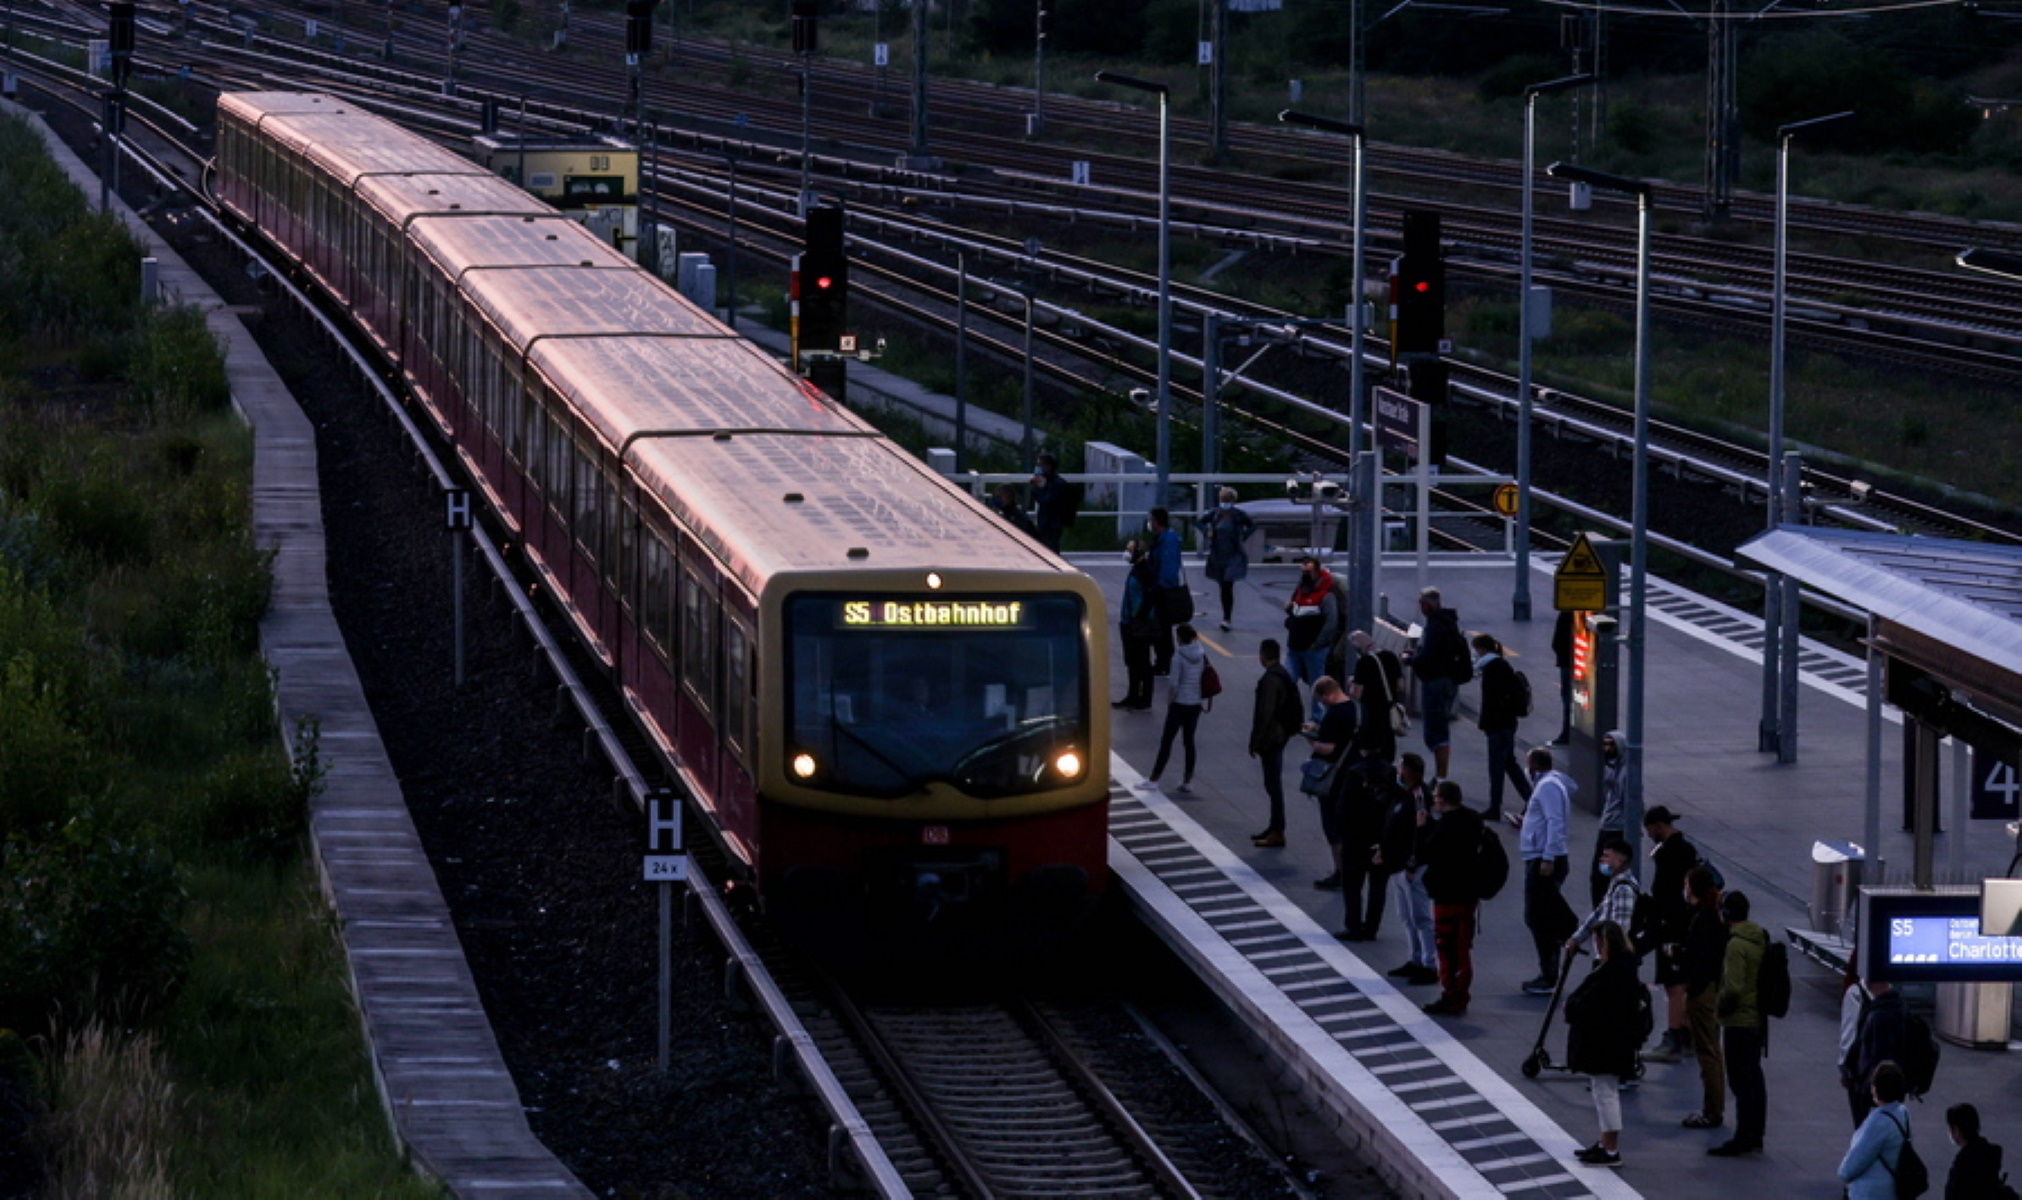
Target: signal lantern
pixel 638 27
pixel 1418 297
pixel 803 26
pixel 824 282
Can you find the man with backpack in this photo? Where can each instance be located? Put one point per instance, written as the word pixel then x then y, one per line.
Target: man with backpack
pixel 1888 1032
pixel 1441 663
pixel 1672 858
pixel 1460 870
pixel 1742 1026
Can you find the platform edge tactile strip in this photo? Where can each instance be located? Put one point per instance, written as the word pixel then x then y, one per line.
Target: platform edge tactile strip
pixel 1410 1133
pixel 454 1108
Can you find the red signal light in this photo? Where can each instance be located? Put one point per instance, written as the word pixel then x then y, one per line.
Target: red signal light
pixel 1421 286
pixel 823 282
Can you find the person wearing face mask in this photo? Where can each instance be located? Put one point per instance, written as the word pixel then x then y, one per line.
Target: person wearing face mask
pixel 1614 800
pixel 1405 823
pixel 1617 866
pixel 1542 846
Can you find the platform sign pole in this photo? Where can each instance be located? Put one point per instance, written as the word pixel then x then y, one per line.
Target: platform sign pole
pixel 456 518
pixel 666 866
pixel 1425 474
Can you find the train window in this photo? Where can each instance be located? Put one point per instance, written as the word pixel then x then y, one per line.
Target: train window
pixel 657 603
pixel 735 722
pixel 627 544
pixel 589 517
pixel 698 639
pixel 555 441
pixel 512 417
pixel 889 693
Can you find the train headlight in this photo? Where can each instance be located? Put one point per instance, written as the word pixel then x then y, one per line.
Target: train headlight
pixel 1068 763
pixel 804 765
pixel 934 580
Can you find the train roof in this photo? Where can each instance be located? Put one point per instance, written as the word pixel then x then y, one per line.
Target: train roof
pixel 534 303
pixel 404 197
pixel 541 237
pixel 775 504
pixel 343 139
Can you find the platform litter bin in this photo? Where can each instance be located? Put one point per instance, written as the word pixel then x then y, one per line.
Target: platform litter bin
pixel 1975 1014
pixel 1835 885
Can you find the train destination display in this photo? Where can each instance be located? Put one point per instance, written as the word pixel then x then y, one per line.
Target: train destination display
pixel 932 614
pixel 1935 937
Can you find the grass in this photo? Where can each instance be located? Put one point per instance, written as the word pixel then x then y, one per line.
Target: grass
pixel 162 937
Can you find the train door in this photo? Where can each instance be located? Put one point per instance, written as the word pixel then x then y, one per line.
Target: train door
pixel 737 715
pixel 697 638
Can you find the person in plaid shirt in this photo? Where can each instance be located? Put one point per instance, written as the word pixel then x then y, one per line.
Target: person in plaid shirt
pixel 1619 903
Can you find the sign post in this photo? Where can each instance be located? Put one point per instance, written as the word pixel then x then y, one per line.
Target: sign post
pixel 666 866
pixel 456 518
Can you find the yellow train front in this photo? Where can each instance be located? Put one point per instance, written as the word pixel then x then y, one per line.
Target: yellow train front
pixel 886 703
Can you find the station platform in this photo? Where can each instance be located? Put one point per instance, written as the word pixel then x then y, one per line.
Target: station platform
pixel 1444 1100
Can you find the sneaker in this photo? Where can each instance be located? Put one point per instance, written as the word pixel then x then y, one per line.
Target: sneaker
pixel 1595 1156
pixel 1354 935
pixel 1443 1007
pixel 1420 976
pixel 1541 986
pixel 1701 1120
pixel 1225 626
pixel 1401 972
pixel 1667 1049
pixel 1269 841
pixel 1186 787
pixel 1734 1149
pixel 1331 883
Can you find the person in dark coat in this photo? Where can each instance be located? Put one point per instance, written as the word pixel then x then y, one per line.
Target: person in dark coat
pixel 1562 656
pixel 1705 956
pixel 1137 625
pixel 1442 663
pixel 1606 1016
pixel 1976 1169
pixel 1884 1031
pixel 1227 528
pixel 1275 719
pixel 1501 697
pixel 1168 563
pixel 1054 499
pixel 1450 851
pixel 1005 502
pixel 1407 812
pixel 1674 856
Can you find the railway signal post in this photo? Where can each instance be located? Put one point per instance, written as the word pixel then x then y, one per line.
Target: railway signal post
pixel 119 38
pixel 821 301
pixel 665 865
pixel 457 519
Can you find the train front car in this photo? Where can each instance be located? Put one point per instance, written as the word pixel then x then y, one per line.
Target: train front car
pixel 942 780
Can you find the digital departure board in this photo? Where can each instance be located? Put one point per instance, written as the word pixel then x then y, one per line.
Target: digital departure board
pixel 1933 937
pixel 916 613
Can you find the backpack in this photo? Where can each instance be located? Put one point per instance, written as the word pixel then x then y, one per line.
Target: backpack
pixel 1646 1016
pixel 1211 681
pixel 1772 982
pixel 1919 1055
pixel 1523 693
pixel 1460 668
pixel 1070 506
pixel 1491 863
pixel 1912 1177
pixel 1644 935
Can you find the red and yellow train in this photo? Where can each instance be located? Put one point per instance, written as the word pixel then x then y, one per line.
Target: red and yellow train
pixel 886 702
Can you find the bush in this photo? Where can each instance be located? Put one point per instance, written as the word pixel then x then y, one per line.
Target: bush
pixel 45 761
pixel 1511 76
pixel 112 1118
pixel 1632 127
pixel 94 510
pixel 178 367
pixel 90 925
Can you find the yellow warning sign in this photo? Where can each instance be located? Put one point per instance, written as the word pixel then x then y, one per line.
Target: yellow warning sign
pixel 1581 582
pixel 1506 500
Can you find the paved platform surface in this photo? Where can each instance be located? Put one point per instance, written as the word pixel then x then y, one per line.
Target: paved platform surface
pixel 1756 819
pixel 449 1097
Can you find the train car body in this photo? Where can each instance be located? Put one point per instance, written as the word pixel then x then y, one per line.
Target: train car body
pixel 886 702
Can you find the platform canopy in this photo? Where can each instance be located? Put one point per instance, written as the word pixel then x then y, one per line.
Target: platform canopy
pixel 1949 611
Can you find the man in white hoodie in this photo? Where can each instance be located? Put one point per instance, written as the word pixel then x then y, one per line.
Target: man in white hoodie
pixel 1542 846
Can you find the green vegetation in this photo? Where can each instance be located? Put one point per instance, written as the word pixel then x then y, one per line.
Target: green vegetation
pixel 162 944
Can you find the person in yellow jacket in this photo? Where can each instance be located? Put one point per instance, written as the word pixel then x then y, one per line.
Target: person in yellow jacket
pixel 1742 1027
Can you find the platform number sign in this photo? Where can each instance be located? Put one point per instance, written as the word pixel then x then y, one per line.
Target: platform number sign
pixel 1997 788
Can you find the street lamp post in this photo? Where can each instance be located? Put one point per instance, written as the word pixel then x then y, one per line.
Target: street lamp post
pixel 1777 729
pixel 1639 521
pixel 1164 393
pixel 1362 587
pixel 1520 601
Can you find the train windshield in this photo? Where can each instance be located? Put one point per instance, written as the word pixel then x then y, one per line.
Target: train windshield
pixel 891 692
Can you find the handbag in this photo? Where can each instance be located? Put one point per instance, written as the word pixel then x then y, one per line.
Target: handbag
pixel 1316 776
pixel 1400 720
pixel 1175 604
